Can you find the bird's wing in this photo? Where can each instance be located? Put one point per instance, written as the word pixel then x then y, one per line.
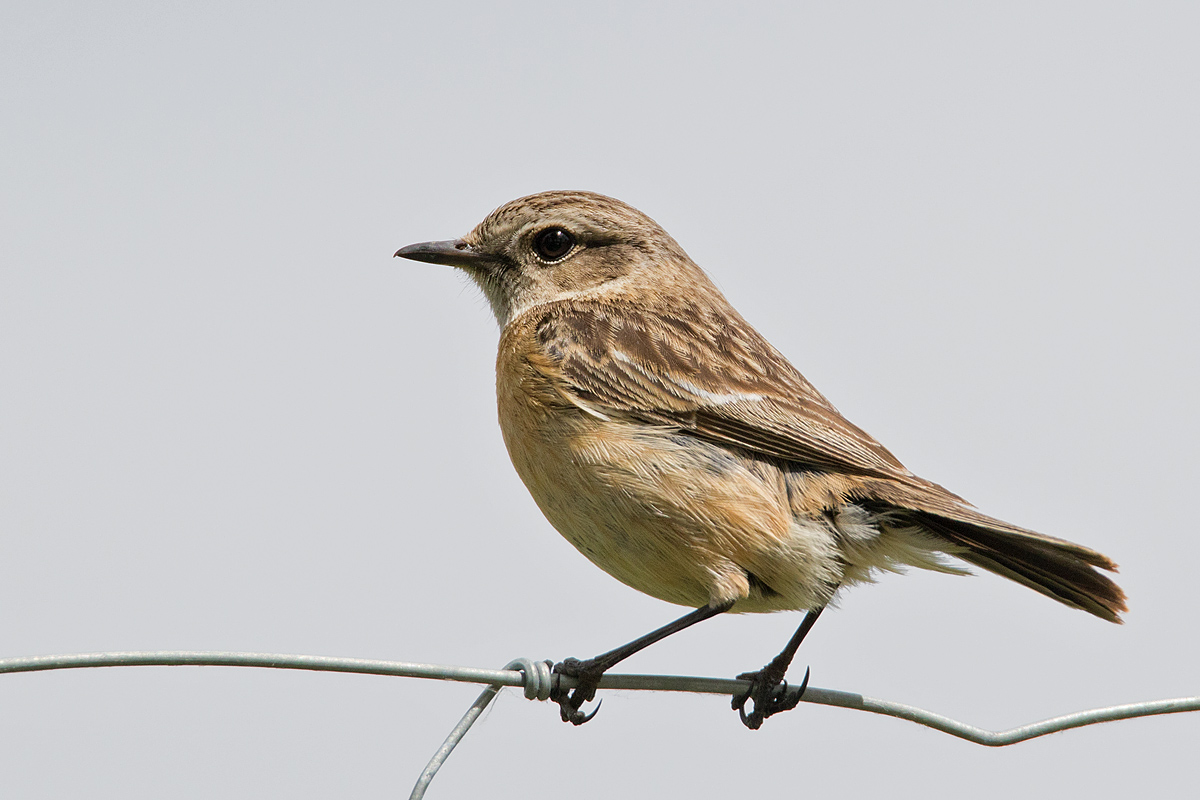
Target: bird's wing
pixel 716 378
pixel 710 375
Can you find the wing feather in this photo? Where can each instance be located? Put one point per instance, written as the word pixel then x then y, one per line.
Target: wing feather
pixel 714 377
pixel 711 375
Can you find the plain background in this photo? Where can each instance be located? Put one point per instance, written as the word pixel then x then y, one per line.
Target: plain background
pixel 230 420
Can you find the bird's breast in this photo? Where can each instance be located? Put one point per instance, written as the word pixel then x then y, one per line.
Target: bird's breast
pixel 678 518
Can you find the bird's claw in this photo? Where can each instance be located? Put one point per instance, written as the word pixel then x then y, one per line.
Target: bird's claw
pixel 770 694
pixel 587 679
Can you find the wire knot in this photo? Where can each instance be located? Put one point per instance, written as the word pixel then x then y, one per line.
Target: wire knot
pixel 539 678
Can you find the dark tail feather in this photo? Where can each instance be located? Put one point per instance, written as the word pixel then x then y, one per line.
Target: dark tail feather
pixel 1056 568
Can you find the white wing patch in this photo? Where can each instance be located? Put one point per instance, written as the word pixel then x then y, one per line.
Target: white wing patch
pixel 712 398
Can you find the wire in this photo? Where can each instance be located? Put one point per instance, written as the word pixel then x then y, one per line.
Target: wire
pixel 536 679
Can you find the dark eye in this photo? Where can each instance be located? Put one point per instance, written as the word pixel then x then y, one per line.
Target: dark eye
pixel 553 243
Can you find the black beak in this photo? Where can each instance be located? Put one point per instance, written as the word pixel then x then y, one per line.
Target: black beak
pixel 452 253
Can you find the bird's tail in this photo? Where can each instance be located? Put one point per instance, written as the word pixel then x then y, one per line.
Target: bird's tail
pixel 1068 572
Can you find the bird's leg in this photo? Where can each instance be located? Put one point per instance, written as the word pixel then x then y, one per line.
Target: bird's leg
pixel 587 673
pixel 768 689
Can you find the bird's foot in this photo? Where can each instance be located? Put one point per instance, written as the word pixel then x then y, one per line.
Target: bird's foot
pixel 770 694
pixel 587 675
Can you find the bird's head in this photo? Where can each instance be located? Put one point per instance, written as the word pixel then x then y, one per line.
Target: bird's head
pixel 556 245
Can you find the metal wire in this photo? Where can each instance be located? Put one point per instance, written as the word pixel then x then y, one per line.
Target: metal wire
pixel 538 680
pixel 535 678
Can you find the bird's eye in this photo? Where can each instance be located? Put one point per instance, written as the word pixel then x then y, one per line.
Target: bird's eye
pixel 553 243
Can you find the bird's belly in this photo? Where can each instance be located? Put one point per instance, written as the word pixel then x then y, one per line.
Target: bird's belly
pixel 672 516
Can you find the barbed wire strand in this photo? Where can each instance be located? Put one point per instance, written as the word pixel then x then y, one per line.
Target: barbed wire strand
pixel 535 678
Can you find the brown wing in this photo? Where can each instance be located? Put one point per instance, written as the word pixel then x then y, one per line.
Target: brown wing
pixel 714 376
pixel 709 374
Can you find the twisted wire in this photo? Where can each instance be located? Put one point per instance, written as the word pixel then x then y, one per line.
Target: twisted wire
pixel 537 680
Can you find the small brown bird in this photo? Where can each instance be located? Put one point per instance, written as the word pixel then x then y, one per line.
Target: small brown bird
pixel 678 450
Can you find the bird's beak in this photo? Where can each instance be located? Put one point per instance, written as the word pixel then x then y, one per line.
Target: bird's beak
pixel 452 253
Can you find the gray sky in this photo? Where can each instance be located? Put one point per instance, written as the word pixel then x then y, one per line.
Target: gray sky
pixel 230 420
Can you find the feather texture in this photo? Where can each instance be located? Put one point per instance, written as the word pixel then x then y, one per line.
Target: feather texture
pixel 714 377
pixel 674 446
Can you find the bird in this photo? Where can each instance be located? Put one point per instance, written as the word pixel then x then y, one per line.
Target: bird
pixel 681 453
